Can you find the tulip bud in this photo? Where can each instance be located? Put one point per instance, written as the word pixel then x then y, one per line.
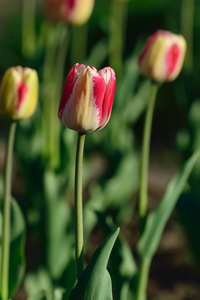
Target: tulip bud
pixel 87 98
pixel 75 12
pixel 19 93
pixel 162 57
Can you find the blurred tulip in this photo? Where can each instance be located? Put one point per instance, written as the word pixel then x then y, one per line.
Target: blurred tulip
pixel 19 93
pixel 75 12
pixel 163 55
pixel 87 98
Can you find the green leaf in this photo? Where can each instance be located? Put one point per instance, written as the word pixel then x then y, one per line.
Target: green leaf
pixel 122 264
pixel 38 286
pixel 59 220
pixel 158 218
pixel 95 281
pixel 17 243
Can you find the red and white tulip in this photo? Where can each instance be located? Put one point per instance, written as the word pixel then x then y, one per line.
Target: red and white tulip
pixel 163 56
pixel 87 98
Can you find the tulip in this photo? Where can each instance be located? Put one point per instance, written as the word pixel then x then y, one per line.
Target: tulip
pixel 162 57
pixel 87 98
pixel 18 93
pixel 75 12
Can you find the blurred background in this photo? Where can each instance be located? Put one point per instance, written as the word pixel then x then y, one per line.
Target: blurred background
pixel 44 153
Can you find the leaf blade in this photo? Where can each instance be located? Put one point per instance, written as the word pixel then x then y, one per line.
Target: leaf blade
pixel 158 218
pixel 95 281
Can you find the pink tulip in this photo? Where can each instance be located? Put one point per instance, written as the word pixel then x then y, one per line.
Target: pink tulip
pixel 163 56
pixel 75 12
pixel 87 98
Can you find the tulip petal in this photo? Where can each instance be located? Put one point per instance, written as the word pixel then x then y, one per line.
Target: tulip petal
pixel 22 91
pixel 8 93
pixel 172 58
pixel 109 76
pixel 29 93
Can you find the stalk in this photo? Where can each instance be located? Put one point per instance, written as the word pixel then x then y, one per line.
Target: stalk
pixel 53 73
pixel 187 29
pixel 79 37
pixel 28 27
pixel 4 287
pixel 143 192
pixel 79 206
pixel 142 280
pixel 118 20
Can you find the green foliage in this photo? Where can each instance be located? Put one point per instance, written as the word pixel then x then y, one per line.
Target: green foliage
pixel 158 218
pixel 122 265
pixel 17 244
pixel 95 282
pixel 58 241
pixel 38 287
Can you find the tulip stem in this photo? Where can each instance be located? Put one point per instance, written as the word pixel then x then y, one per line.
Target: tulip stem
pixel 28 27
pixel 4 287
pixel 142 280
pixel 79 37
pixel 118 20
pixel 187 29
pixel 79 206
pixel 143 192
pixel 53 71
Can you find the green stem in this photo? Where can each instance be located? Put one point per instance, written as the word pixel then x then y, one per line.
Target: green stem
pixel 118 22
pixel 53 73
pixel 6 216
pixel 187 27
pixel 59 75
pixel 142 280
pixel 79 37
pixel 143 193
pixel 79 206
pixel 48 88
pixel 28 27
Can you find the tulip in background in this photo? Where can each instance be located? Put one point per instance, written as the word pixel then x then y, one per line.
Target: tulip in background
pixel 161 60
pixel 18 100
pixel 19 93
pixel 85 106
pixel 87 98
pixel 162 57
pixel 75 12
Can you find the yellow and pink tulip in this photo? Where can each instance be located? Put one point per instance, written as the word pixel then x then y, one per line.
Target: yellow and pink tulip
pixel 75 12
pixel 19 93
pixel 163 56
pixel 87 98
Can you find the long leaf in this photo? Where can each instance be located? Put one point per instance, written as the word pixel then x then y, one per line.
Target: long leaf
pixel 158 218
pixel 95 281
pixel 122 264
pixel 17 243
